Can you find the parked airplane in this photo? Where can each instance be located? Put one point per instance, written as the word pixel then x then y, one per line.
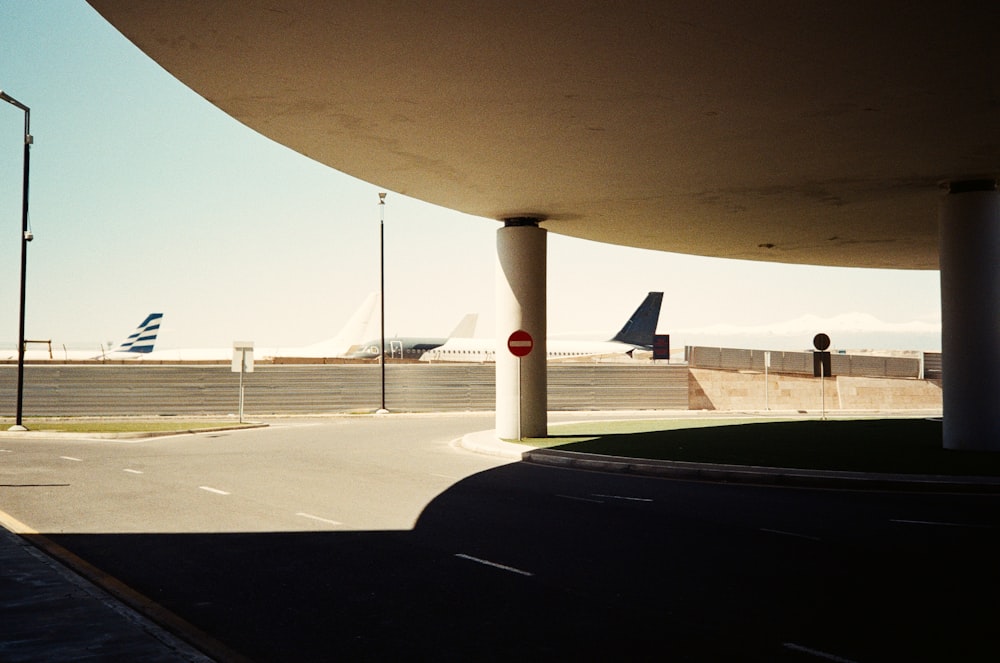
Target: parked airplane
pixel 346 341
pixel 414 347
pixel 637 334
pixel 139 343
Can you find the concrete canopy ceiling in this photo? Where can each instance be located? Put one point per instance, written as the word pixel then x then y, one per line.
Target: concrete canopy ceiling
pixel 789 131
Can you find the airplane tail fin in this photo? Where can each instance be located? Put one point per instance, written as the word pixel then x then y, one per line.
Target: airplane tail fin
pixel 142 339
pixel 466 327
pixel 641 327
pixel 351 335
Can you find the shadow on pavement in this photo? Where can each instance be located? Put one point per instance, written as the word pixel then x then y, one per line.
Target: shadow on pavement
pixel 561 571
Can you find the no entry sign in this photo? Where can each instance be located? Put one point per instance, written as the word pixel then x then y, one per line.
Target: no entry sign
pixel 520 343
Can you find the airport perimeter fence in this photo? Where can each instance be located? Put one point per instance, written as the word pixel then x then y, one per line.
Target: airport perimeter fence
pixel 213 390
pixel 928 366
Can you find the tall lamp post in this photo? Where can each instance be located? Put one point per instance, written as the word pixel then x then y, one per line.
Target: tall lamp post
pixel 381 295
pixel 25 238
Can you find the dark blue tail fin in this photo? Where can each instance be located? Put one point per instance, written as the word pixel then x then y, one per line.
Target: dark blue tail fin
pixel 641 327
pixel 142 339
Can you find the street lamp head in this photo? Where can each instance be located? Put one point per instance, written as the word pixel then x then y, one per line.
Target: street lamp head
pixel 381 198
pixel 12 101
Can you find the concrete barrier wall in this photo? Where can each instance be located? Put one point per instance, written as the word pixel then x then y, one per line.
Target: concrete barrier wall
pixel 735 390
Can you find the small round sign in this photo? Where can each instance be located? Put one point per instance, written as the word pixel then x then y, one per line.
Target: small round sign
pixel 821 342
pixel 520 343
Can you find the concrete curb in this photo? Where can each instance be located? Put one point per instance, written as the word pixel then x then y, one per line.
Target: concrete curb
pixel 775 476
pixel 486 442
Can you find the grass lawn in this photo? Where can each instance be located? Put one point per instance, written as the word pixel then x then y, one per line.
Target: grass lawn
pixel 907 446
pixel 118 426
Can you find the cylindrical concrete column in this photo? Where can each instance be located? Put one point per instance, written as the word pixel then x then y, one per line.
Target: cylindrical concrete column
pixel 521 382
pixel 970 315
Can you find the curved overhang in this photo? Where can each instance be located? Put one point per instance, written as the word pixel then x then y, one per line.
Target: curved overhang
pixel 817 133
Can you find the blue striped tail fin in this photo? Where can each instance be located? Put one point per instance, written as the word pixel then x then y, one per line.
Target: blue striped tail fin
pixel 142 339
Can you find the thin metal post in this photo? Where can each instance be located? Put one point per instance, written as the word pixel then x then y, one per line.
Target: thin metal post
pixel 24 270
pixel 520 423
pixel 381 273
pixel 243 370
pixel 767 365
pixel 822 382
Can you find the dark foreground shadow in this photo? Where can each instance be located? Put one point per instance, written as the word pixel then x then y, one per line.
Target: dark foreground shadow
pixel 529 563
pixel 907 446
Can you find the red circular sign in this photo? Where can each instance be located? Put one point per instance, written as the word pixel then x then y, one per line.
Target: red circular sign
pixel 520 343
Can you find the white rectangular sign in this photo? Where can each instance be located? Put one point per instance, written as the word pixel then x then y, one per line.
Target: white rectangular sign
pixel 242 356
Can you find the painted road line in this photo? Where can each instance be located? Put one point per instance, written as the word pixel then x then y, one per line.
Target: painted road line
pixel 78 460
pixel 14 525
pixel 83 575
pixel 818 654
pixel 132 471
pixel 486 562
pixel 322 520
pixel 580 499
pixel 213 490
pixel 623 497
pixel 795 534
pixel 937 523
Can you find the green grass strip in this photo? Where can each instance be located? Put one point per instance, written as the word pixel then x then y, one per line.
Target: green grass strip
pixel 110 426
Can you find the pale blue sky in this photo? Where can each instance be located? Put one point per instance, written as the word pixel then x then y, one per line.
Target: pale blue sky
pixel 145 197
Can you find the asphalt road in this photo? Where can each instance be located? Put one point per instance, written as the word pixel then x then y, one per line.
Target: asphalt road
pixel 376 539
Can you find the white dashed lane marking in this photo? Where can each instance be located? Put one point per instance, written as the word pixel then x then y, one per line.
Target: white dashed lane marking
pixel 795 534
pixel 936 523
pixel 623 497
pixel 580 499
pixel 826 656
pixel 486 562
pixel 322 520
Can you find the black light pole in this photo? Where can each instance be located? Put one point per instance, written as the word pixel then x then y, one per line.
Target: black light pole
pixel 381 296
pixel 25 238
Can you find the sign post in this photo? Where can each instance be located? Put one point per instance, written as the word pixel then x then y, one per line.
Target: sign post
pixel 242 363
pixel 767 365
pixel 520 344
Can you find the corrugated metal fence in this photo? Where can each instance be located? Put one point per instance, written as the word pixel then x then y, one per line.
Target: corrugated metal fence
pixel 801 363
pixel 135 390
